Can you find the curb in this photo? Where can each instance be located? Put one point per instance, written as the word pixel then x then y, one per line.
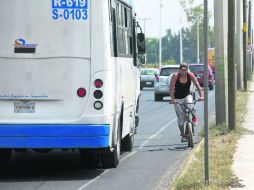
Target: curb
pixel 186 163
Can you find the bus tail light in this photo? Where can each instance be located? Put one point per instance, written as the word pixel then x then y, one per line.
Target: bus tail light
pixel 98 83
pixel 81 92
pixel 98 94
pixel 98 105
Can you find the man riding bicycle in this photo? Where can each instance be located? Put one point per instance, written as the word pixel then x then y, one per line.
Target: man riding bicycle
pixel 180 92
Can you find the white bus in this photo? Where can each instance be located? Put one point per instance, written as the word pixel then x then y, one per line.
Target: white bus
pixel 69 77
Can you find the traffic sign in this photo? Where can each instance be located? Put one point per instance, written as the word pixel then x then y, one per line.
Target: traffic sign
pixel 249 49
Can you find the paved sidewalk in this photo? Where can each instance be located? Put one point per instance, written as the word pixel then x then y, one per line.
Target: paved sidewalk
pixel 243 165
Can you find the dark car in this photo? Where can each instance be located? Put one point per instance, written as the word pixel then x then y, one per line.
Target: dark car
pixel 198 71
pixel 147 77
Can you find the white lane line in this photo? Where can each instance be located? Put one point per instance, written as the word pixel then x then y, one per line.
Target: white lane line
pixel 88 183
pixel 131 154
pixel 149 139
pixel 128 156
pixel 153 136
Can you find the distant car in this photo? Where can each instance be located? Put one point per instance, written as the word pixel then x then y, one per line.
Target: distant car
pixel 147 77
pixel 162 82
pixel 198 71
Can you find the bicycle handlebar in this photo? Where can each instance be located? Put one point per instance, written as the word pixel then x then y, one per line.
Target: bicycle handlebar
pixel 194 102
pixel 182 104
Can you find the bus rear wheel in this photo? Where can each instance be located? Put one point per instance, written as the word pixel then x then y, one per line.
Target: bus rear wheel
pixel 111 159
pixel 5 157
pixel 88 160
pixel 127 142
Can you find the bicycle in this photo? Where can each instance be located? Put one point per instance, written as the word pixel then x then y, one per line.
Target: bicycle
pixel 189 126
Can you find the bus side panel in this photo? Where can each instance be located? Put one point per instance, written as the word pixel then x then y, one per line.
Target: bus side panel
pixel 128 92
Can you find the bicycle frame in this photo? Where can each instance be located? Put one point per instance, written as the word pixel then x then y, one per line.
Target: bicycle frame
pixel 186 110
pixel 189 127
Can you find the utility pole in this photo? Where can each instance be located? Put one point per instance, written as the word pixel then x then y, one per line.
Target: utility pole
pixel 144 22
pixel 244 46
pixel 221 55
pixel 249 68
pixel 206 145
pixel 198 59
pixel 231 65
pixel 239 44
pixel 252 53
pixel 181 42
pixel 197 16
pixel 160 48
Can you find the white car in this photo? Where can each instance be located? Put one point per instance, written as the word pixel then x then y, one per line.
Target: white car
pixel 162 82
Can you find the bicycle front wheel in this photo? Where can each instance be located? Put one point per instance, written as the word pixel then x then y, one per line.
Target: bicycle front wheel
pixel 190 135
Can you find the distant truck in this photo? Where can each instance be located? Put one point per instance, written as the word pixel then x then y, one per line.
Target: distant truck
pixel 211 58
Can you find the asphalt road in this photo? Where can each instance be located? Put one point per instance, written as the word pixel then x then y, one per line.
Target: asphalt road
pixel 154 162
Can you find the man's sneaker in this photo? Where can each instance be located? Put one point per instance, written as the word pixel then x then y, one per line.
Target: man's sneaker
pixel 183 138
pixel 195 120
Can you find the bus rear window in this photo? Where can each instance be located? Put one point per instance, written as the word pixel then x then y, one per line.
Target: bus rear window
pixel 44 30
pixel 168 71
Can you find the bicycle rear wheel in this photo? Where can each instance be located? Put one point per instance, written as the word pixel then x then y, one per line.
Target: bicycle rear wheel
pixel 190 135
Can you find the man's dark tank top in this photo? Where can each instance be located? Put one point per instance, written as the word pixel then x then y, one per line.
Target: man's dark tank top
pixel 182 89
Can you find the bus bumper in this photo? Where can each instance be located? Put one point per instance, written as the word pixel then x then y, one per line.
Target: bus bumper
pixel 54 136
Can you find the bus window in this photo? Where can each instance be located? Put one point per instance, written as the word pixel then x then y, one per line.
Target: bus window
pixel 110 12
pixel 119 11
pixel 111 28
pixel 124 31
pixel 125 17
pixel 129 21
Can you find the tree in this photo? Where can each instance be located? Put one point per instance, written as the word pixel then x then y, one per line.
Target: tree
pixel 195 14
pixel 169 47
pixel 171 41
pixel 152 50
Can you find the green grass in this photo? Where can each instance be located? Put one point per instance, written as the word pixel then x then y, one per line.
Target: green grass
pixel 222 146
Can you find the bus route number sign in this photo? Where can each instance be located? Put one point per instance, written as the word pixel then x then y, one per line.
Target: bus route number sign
pixel 69 9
